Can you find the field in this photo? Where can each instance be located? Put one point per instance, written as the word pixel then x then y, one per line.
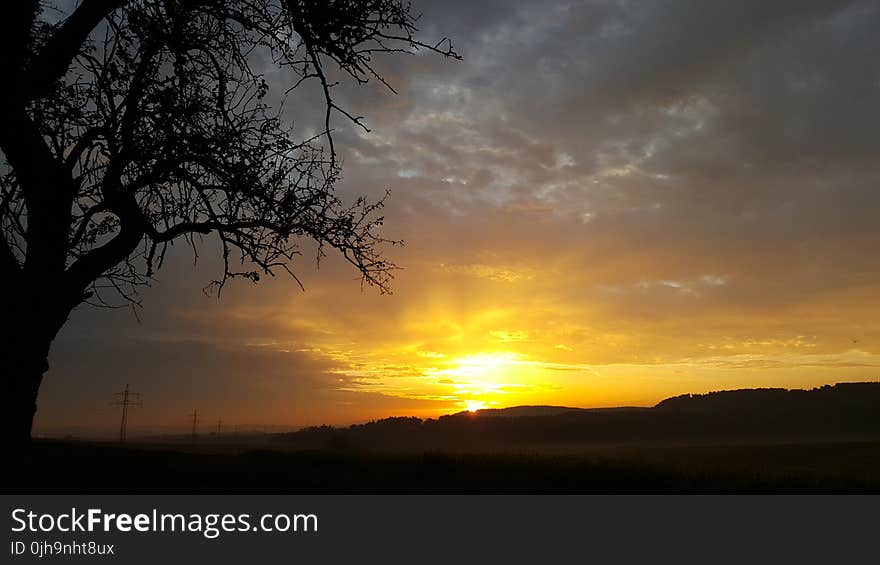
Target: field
pixel 79 467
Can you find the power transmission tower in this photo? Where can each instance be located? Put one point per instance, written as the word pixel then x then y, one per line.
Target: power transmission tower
pixel 219 426
pixel 125 399
pixel 195 422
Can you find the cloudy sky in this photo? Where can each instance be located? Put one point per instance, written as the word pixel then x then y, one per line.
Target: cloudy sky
pixel 604 203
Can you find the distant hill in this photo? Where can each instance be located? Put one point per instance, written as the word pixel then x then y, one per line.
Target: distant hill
pixel 520 411
pixel 828 398
pixel 531 411
pixel 845 411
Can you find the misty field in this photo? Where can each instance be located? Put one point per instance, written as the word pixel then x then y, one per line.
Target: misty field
pixel 72 467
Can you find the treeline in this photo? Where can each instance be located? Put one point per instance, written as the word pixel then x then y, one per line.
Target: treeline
pixel 847 411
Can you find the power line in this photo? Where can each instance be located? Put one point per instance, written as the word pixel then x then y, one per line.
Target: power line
pixel 125 399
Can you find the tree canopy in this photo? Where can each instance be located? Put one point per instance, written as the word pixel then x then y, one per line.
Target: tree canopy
pixel 137 123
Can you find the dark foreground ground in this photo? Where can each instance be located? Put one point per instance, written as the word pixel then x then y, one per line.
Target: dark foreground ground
pixel 73 467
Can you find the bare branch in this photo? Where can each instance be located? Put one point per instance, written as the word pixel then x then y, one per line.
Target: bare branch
pixel 147 125
pixel 54 59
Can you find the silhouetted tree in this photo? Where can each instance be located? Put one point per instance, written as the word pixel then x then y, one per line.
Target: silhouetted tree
pixel 128 125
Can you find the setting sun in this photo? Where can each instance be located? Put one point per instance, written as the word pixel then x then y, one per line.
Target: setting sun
pixel 474 405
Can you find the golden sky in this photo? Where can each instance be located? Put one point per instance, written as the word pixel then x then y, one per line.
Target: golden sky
pixel 596 212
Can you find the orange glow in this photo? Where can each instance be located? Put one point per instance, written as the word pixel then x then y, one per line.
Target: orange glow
pixel 494 354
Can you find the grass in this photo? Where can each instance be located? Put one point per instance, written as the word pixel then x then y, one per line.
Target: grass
pixel 73 467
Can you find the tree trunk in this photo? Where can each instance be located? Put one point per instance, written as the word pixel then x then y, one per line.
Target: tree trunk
pixel 22 366
pixel 24 349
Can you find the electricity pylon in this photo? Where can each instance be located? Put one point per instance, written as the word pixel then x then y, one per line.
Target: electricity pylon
pixel 195 422
pixel 125 399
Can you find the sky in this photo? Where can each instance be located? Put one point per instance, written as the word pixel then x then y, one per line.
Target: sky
pixel 603 203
